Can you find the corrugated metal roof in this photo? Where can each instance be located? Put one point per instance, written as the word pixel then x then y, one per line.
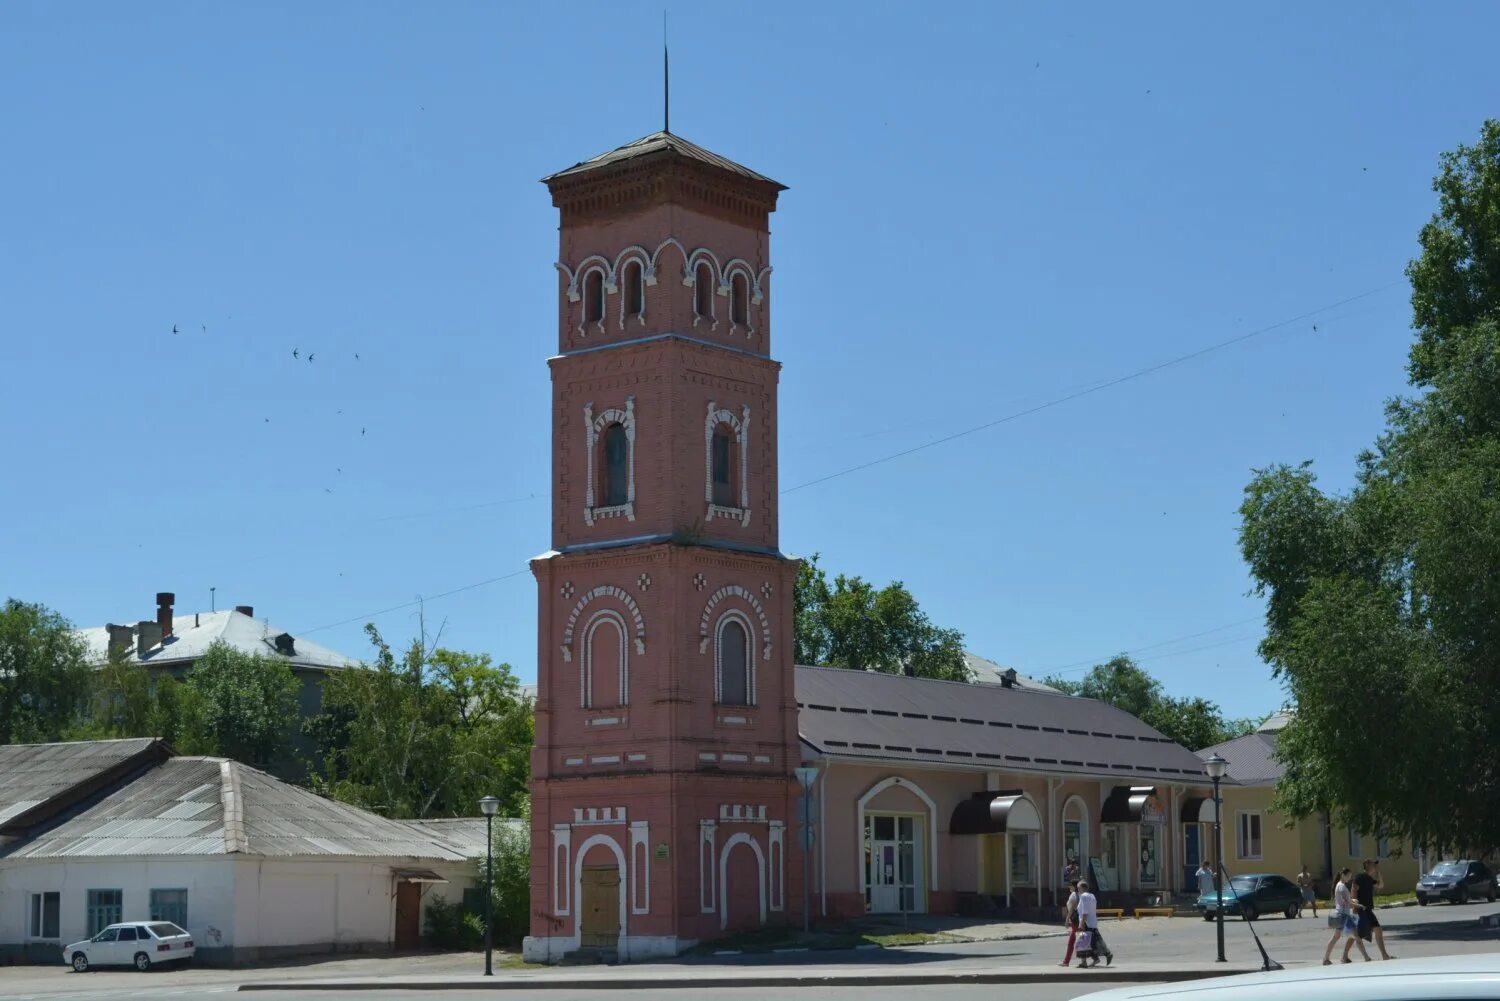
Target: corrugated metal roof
pixel 180 808
pixel 891 717
pixel 31 774
pixel 986 672
pixel 658 142
pixel 193 634
pixel 465 834
pixel 1250 758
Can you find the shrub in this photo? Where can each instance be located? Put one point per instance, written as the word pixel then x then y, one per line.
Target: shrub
pixel 451 926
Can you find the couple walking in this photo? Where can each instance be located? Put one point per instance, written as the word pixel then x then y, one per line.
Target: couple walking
pixel 1082 918
pixel 1353 915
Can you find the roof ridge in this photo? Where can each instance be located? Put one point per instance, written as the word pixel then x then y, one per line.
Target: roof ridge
pixel 235 841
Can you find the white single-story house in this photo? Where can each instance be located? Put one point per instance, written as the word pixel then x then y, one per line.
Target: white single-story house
pixel 102 831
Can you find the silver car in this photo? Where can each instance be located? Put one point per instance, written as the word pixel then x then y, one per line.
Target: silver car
pixel 1435 978
pixel 141 944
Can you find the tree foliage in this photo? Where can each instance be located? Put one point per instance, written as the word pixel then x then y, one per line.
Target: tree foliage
pixel 856 625
pixel 1195 723
pixel 1383 603
pixel 426 734
pixel 44 674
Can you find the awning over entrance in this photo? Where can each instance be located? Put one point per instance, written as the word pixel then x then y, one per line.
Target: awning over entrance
pixel 417 876
pixel 1197 810
pixel 994 813
pixel 1125 804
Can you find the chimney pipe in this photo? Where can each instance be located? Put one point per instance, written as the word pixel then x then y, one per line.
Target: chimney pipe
pixel 120 638
pixel 164 602
pixel 147 635
pixel 248 611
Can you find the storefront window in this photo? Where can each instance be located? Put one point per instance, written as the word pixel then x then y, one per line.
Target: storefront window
pixel 893 863
pixel 1020 860
pixel 1150 854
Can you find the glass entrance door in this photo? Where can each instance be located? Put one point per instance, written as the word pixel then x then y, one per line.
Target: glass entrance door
pixel 892 862
pixel 1109 857
pixel 1192 854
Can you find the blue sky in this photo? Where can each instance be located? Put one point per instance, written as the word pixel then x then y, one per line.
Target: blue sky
pixel 990 207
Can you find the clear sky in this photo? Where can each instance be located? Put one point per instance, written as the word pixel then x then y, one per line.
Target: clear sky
pixel 991 206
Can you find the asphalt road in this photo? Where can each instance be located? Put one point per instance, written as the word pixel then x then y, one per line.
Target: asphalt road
pixel 1017 992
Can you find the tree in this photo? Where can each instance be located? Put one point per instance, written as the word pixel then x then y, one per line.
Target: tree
pixel 1194 723
pixel 45 674
pixel 425 735
pixel 1383 603
pixel 234 704
pixel 853 624
pixel 126 701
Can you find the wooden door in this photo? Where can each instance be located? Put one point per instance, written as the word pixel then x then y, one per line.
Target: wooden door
pixel 600 911
pixel 408 915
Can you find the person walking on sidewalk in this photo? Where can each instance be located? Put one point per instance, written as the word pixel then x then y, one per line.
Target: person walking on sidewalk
pixel 1088 924
pixel 1070 918
pixel 1205 876
pixel 1342 920
pixel 1365 885
pixel 1305 881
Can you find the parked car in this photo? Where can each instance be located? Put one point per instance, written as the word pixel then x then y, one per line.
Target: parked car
pixel 1252 896
pixel 1459 881
pixel 1433 978
pixel 141 944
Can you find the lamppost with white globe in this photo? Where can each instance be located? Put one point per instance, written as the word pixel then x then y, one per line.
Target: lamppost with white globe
pixel 1216 766
pixel 488 806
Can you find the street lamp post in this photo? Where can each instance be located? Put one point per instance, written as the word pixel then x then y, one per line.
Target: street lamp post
pixel 806 777
pixel 488 806
pixel 1216 766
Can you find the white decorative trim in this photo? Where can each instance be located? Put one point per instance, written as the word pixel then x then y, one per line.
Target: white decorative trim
pixel 610 617
pixel 762 759
pixel 760 876
pixel 742 813
pixel 572 762
pixel 640 867
pixel 594 815
pixel 734 720
pixel 778 865
pixel 635 757
pixel 734 759
pixel 593 434
pixel 605 591
pixel 736 616
pixel 605 759
pixel 741 427
pixel 606 286
pixel 582 853
pixel 707 756
pixel 562 837
pixel 739 266
pixel 699 582
pixel 703 257
pixel 639 255
pixel 605 721
pixel 932 842
pixel 735 591
pixel 706 857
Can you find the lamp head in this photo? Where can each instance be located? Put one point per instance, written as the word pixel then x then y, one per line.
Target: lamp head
pixel 807 776
pixel 1216 767
pixel 488 806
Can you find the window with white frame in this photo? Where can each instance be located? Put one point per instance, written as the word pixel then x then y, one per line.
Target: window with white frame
pixel 733 664
pixel 593 297
pixel 103 909
pixel 703 292
pixel 45 908
pixel 610 449
pixel 633 303
pixel 1248 846
pixel 739 300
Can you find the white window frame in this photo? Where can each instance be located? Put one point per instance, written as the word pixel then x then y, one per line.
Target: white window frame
pixel 1241 834
pixel 740 425
pixel 594 426
pixel 735 615
pixel 36 916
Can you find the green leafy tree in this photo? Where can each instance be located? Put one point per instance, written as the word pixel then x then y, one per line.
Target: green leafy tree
pixel 45 674
pixel 853 624
pixel 1383 603
pixel 234 704
pixel 1194 723
pixel 125 700
pixel 427 734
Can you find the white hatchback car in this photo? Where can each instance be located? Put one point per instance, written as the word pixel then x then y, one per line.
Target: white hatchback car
pixel 141 944
pixel 1437 978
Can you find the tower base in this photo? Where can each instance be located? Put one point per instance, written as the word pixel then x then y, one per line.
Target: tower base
pixel 629 948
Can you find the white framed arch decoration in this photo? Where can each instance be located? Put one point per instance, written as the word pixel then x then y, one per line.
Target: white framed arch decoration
pixel 578 857
pixel 760 870
pixel 927 801
pixel 593 430
pixel 637 620
pixel 743 621
pixel 735 591
pixel 740 425
pixel 604 618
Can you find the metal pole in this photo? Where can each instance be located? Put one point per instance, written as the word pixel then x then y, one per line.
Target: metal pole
pixel 1219 867
pixel 806 859
pixel 489 896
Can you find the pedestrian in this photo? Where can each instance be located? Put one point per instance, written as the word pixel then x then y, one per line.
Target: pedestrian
pixel 1070 919
pixel 1309 896
pixel 1091 944
pixel 1365 885
pixel 1342 920
pixel 1071 873
pixel 1205 876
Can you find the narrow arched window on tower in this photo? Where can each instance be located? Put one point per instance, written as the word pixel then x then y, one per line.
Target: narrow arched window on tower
pixel 734 664
pixel 739 301
pixel 722 462
pixel 635 290
pixel 703 292
pixel 616 478
pixel 593 297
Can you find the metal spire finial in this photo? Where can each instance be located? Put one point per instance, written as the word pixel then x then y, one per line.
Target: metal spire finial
pixel 666 78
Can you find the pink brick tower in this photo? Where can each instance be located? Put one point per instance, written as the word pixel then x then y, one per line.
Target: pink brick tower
pixel 663 796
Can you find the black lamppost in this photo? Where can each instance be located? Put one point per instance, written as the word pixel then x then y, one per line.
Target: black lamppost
pixel 1216 766
pixel 806 777
pixel 488 806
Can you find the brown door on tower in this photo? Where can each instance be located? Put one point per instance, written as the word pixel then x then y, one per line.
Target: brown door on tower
pixel 601 907
pixel 408 915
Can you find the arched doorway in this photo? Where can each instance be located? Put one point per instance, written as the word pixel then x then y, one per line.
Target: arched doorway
pixel 742 885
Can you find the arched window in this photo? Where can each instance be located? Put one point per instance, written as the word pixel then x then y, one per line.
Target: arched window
pixel 739 301
pixel 593 297
pixel 606 662
pixel 722 461
pixel 616 466
pixel 703 291
pixel 635 290
pixel 734 664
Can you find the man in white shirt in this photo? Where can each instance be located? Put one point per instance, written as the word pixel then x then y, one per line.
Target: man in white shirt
pixel 1088 920
pixel 1205 879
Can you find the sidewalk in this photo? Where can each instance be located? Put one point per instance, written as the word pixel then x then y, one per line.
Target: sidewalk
pixel 618 978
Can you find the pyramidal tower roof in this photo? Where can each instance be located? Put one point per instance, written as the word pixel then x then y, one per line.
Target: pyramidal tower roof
pixel 664 146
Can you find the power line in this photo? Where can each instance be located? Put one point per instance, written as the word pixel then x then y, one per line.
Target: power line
pixel 1069 397
pixel 1092 661
pixel 413 604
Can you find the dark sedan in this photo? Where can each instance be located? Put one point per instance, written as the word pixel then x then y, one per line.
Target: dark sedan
pixel 1459 881
pixel 1252 896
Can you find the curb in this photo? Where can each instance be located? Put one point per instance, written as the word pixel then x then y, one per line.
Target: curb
pixel 1489 920
pixel 706 983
